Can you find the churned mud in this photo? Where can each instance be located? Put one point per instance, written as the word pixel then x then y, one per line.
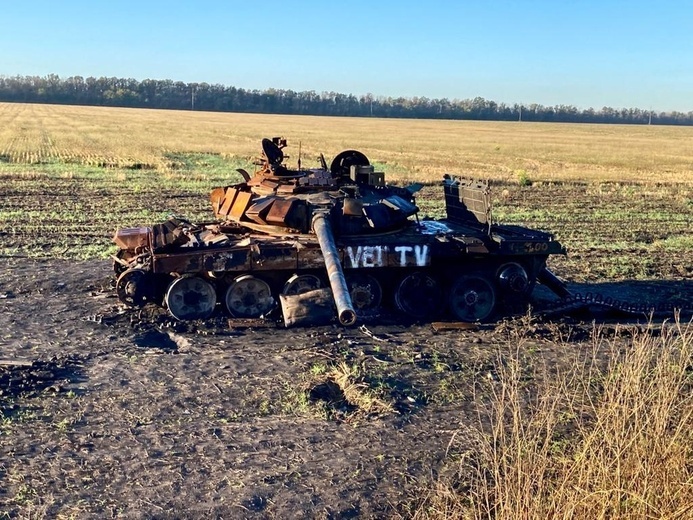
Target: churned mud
pixel 108 412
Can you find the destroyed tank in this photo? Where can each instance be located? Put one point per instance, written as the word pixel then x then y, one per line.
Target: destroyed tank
pixel 339 234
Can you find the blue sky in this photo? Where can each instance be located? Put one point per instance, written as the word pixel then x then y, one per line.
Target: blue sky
pixel 585 53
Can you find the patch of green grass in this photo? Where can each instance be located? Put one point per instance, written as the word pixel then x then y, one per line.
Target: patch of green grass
pixel 510 215
pixel 317 369
pixel 265 407
pixel 295 401
pixel 25 494
pixel 523 178
pixel 625 214
pixel 675 242
pixel 449 390
pixel 12 419
pixel 623 266
pixel 63 425
pixel 211 163
pixel 51 170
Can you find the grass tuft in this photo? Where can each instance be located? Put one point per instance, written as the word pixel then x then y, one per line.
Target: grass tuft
pixel 523 178
pixel 337 392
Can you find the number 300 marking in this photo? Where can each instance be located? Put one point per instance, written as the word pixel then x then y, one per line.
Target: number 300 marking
pixel 536 247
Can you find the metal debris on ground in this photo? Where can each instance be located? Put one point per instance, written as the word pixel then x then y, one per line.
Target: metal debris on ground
pixel 455 325
pixel 364 330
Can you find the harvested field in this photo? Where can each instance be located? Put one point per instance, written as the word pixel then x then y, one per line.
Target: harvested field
pixel 106 412
pixel 170 141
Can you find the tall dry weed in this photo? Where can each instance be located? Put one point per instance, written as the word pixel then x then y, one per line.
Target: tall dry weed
pixel 611 438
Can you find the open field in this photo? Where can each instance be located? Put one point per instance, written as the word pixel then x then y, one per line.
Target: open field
pixel 163 162
pixel 405 149
pixel 120 414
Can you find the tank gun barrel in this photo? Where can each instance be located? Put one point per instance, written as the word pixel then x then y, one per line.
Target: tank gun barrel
pixel 340 292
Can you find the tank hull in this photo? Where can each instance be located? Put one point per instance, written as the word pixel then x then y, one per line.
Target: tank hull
pixel 440 249
pixel 342 229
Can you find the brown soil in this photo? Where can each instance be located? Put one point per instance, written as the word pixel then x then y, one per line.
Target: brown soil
pixel 118 413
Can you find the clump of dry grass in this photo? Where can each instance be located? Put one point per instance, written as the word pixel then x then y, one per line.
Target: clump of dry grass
pixel 341 392
pixel 610 439
pixel 356 391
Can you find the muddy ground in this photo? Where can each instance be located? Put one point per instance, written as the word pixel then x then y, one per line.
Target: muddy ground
pixel 113 414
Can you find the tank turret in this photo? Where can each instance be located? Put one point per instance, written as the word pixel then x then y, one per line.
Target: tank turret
pixel 280 200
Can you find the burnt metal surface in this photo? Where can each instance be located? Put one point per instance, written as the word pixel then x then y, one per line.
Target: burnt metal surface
pixel 341 227
pixel 335 274
pixel 467 200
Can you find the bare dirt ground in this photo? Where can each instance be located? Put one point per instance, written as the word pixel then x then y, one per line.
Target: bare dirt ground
pixel 121 414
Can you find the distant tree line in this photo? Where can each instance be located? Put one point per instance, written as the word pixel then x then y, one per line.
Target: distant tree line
pixel 169 94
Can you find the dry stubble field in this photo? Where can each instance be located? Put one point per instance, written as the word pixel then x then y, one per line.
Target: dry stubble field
pixel 121 415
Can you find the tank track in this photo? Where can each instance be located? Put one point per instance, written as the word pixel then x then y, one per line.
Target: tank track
pixel 576 302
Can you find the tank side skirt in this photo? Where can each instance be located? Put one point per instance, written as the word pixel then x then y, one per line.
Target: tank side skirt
pixel 364 254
